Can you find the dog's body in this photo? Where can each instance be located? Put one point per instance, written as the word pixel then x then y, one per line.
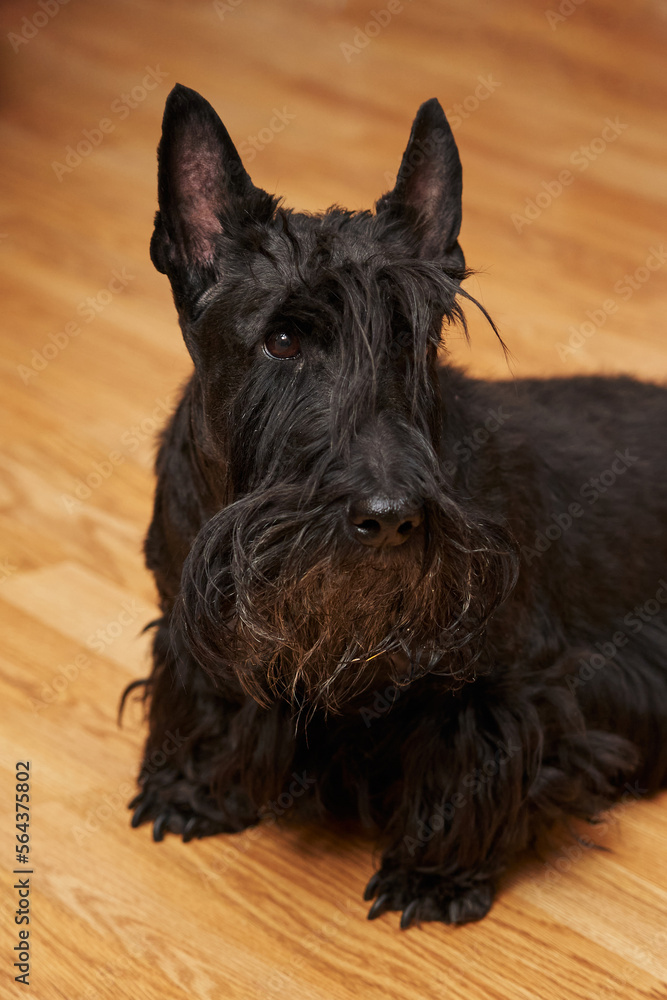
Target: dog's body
pixel 389 591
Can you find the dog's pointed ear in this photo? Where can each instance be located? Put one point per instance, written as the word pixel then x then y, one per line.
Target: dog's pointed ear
pixel 202 188
pixel 427 194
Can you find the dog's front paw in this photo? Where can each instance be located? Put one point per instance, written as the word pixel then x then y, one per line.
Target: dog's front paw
pixel 427 896
pixel 179 818
pixel 169 818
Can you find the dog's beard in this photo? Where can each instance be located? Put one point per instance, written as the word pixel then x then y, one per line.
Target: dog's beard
pixel 274 593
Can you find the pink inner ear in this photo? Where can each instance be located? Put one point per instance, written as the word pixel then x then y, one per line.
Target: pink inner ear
pixel 199 178
pixel 424 189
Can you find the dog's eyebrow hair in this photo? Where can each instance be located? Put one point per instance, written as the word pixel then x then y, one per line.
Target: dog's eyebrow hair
pixel 509 357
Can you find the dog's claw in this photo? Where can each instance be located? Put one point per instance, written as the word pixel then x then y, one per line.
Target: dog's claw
pixel 189 829
pixel 159 827
pixel 408 917
pixel 380 905
pixel 372 887
pixel 141 813
pixel 135 801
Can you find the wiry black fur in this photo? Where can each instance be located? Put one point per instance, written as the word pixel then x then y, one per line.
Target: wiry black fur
pixel 279 628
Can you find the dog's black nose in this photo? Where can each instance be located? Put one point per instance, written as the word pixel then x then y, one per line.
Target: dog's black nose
pixel 382 521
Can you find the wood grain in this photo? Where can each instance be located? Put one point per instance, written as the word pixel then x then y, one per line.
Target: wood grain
pixel 580 287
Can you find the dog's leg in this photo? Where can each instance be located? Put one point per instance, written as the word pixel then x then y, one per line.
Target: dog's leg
pixel 452 835
pixel 478 787
pixel 191 779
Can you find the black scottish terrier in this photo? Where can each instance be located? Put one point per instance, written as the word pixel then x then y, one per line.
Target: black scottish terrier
pixel 438 601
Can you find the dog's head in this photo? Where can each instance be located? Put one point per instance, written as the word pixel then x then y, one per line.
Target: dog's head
pixel 339 551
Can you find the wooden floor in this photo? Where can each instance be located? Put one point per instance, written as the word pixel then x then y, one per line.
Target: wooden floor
pixel 574 273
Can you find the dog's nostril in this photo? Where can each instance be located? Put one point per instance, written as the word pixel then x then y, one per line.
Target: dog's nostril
pixel 382 521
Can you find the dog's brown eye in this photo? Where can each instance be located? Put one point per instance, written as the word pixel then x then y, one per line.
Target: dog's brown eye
pixel 282 345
